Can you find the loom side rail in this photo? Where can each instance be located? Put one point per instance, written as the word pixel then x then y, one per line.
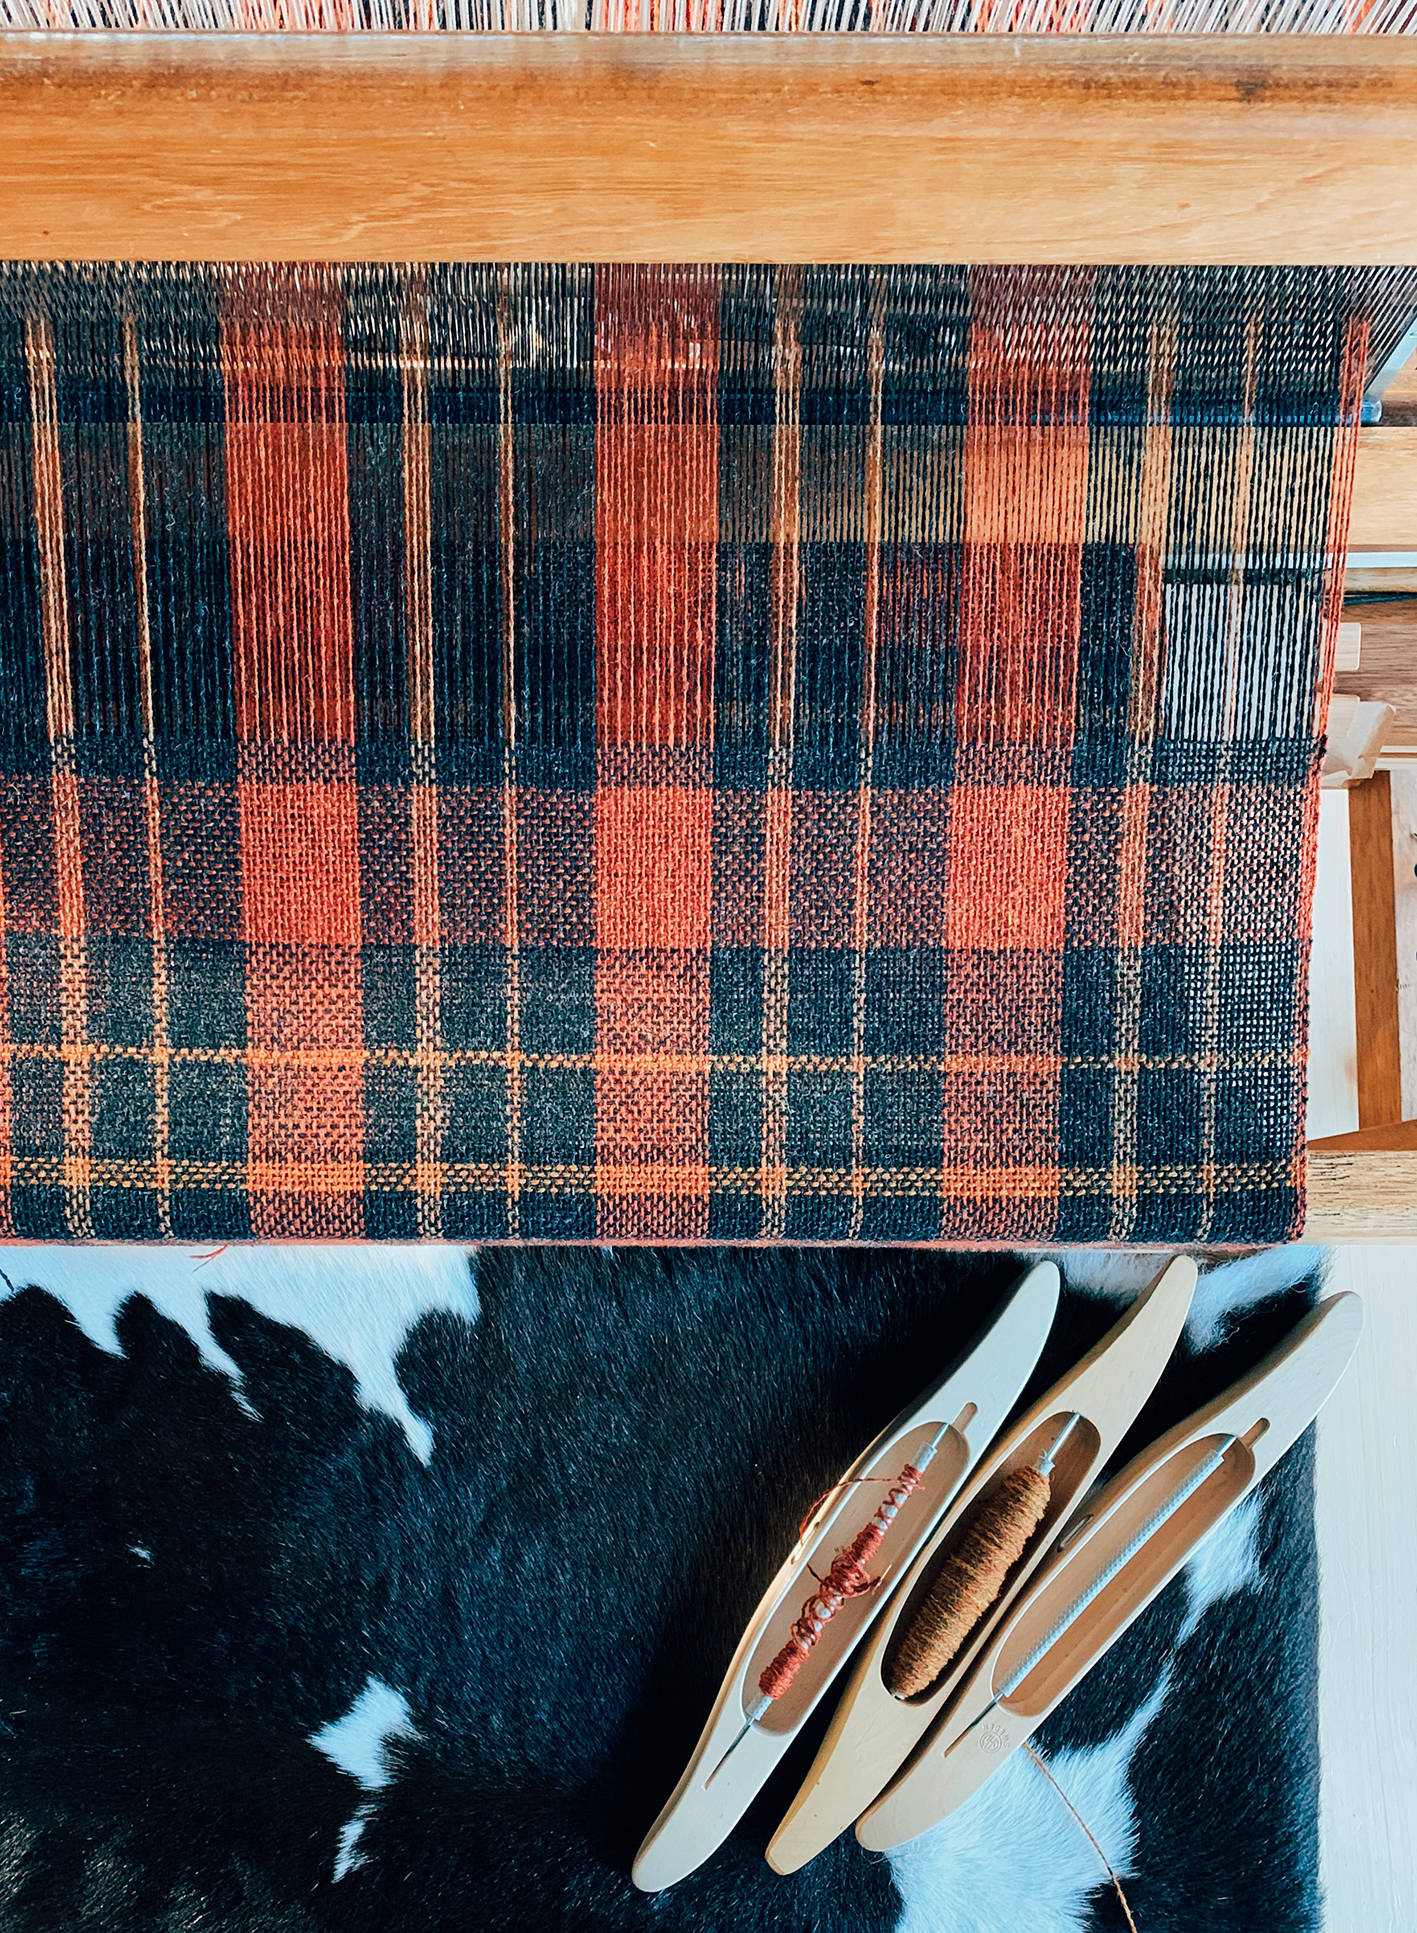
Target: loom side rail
pixel 577 147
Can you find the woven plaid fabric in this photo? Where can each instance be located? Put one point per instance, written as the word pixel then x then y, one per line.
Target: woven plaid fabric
pixel 664 753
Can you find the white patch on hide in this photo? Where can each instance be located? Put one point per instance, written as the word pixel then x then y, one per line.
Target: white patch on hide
pixel 355 1302
pixel 1225 1292
pixel 1120 1275
pixel 1014 1856
pixel 1226 1561
pixel 357 1744
pixel 347 1855
pixel 1111 1274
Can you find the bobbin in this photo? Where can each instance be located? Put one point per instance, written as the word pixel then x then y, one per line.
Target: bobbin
pixel 1121 1548
pixel 747 1731
pixel 872 1731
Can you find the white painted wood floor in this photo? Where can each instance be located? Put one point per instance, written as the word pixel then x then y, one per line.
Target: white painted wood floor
pixel 1367 1496
pixel 1367 1532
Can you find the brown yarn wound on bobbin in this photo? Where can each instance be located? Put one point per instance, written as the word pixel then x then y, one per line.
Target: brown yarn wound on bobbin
pixel 969 1581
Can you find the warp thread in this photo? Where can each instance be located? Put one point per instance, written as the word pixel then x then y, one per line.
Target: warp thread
pixel 718 16
pixel 619 753
pixel 970 1581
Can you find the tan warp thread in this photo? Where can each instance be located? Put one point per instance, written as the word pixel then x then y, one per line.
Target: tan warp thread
pixel 969 1581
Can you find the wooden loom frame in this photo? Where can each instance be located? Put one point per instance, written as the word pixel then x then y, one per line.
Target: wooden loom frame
pixel 580 147
pixel 564 146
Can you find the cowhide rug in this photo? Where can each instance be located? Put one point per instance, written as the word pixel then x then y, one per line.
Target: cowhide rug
pixel 381 1589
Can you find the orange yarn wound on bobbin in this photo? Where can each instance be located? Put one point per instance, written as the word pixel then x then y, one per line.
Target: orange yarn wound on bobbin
pixel 848 1577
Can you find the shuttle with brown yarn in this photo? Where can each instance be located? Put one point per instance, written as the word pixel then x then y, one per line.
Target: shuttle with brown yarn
pixel 1074 1428
pixel 1121 1548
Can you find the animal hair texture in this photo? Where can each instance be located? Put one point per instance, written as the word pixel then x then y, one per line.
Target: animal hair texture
pixel 318 1618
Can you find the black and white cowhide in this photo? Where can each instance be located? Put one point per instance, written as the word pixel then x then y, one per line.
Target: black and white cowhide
pixel 386 1590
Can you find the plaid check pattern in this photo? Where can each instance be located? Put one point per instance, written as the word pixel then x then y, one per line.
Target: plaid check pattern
pixel 664 753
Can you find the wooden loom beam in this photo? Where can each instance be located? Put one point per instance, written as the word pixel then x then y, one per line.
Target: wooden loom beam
pixel 1375 986
pixel 969 148
pixel 1362 1186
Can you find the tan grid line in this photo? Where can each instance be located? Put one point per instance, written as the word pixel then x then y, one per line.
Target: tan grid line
pixel 489 1177
pixel 102 1050
pixel 786 533
pixel 423 803
pixel 506 508
pixel 152 795
pixel 861 870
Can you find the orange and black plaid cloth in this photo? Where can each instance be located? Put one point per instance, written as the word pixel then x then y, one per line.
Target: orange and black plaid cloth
pixel 665 753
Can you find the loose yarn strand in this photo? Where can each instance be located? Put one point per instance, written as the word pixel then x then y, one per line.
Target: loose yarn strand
pixel 847 1578
pixel 1042 1765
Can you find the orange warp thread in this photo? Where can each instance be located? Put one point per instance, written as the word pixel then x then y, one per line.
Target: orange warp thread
pixel 848 1577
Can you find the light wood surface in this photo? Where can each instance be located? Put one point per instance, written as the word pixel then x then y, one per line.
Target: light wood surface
pixel 995 1708
pixel 1360 582
pixel 1357 733
pixel 1399 399
pixel 1360 1189
pixel 1403 778
pixel 1332 1049
pixel 1392 1137
pixel 1386 672
pixel 1365 1197
pixel 734 1757
pixel 872 1732
pixel 969 148
pixel 1367 1450
pixel 1385 487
